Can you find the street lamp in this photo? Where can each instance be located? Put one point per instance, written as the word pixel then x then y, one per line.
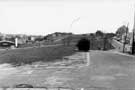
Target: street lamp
pixel 74 20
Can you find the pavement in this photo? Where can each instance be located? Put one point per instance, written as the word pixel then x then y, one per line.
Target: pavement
pixel 107 70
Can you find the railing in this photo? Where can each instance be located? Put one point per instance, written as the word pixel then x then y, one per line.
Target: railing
pixel 119 46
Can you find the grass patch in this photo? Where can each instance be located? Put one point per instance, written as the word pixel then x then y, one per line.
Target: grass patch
pixel 18 57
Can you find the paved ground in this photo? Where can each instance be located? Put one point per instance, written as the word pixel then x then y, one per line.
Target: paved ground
pixel 108 70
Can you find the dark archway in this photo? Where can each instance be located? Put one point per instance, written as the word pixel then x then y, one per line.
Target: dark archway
pixel 83 45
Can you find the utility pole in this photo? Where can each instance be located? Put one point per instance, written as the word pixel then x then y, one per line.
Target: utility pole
pixel 133 41
pixel 104 41
pixel 125 38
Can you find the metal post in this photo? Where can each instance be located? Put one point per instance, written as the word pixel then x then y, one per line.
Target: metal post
pixel 133 44
pixel 104 42
pixel 125 38
pixel 16 42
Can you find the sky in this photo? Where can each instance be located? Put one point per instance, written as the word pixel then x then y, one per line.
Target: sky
pixel 42 17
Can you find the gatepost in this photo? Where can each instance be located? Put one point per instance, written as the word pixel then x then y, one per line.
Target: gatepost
pixel 16 42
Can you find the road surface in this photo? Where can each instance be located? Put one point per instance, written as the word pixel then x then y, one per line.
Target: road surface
pixel 108 70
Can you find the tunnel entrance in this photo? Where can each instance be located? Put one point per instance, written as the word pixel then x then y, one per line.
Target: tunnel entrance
pixel 83 45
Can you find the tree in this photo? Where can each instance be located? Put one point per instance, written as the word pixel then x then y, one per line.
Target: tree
pixel 121 30
pixel 92 35
pixel 99 33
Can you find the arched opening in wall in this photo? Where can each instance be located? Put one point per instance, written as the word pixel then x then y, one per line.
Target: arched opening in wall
pixel 83 45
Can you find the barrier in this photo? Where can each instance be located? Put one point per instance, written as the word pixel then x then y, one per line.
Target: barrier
pixel 119 46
